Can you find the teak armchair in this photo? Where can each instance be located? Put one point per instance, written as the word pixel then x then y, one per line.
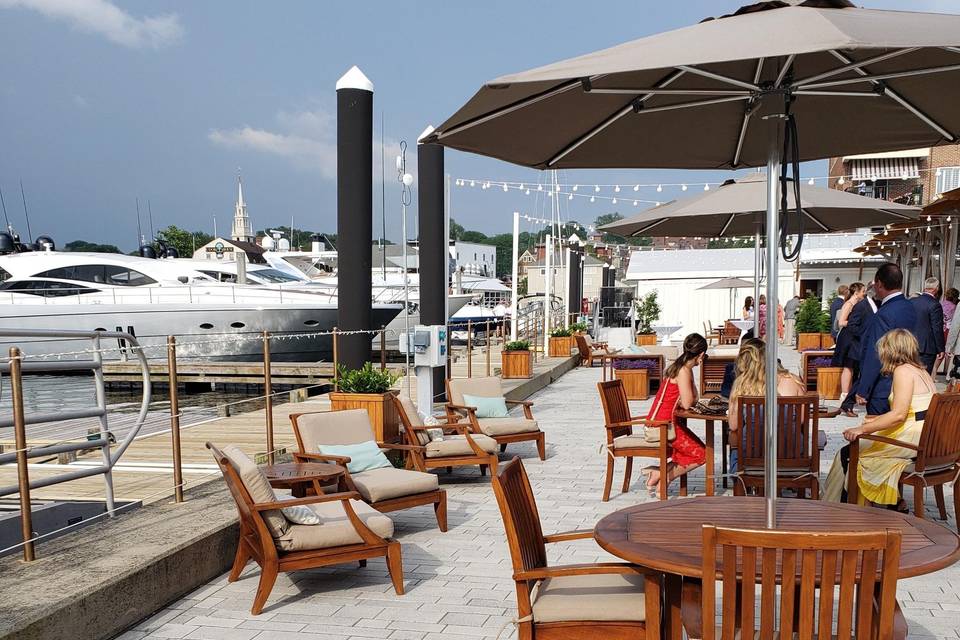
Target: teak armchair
pixel 938 456
pixel 590 351
pixel 798 456
pixel 386 489
pixel 504 430
pixel 813 564
pixel 608 600
pixel 462 448
pixel 622 442
pixel 350 532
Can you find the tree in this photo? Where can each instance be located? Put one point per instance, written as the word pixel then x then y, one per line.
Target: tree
pixel 91 247
pixel 611 238
pixel 456 230
pixel 474 236
pixel 185 242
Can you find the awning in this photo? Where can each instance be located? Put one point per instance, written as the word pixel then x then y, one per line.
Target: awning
pixel 884 169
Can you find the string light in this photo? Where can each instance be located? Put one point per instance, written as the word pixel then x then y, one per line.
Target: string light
pixel 592 199
pixel 539 187
pixel 635 203
pixel 505 187
pixel 706 187
pixel 659 188
pixel 683 187
pixel 617 189
pixel 614 201
pixel 636 187
pixel 840 180
pixel 575 187
pixel 472 183
pixel 596 188
pixel 570 197
pixel 810 182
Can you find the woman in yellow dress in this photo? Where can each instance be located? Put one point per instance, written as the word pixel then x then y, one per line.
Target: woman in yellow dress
pixel 880 463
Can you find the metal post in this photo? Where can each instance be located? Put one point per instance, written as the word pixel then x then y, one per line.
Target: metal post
pixel 757 270
pixel 268 393
pixel 469 348
pixel 771 413
pixel 20 439
pixel 101 397
pixel 174 417
pixel 336 361
pixel 515 271
pixel 383 347
pixel 487 341
pixel 547 286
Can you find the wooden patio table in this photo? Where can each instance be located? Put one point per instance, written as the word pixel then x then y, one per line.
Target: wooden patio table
pixel 667 535
pixel 296 476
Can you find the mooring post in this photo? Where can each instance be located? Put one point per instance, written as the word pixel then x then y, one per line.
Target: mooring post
pixel 174 417
pixel 20 442
pixel 268 395
pixel 469 348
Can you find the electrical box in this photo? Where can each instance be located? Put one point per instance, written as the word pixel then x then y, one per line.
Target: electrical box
pixel 427 345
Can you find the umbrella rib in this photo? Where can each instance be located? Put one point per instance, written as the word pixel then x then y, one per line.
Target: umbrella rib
pixel 727 224
pixel 882 76
pixel 785 70
pixel 721 78
pixel 906 104
pixel 674 92
pixel 896 214
pixel 814 218
pixel 854 66
pixel 688 105
pixel 648 227
pixel 747 113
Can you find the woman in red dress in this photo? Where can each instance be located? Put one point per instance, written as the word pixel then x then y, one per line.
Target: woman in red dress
pixel 678 390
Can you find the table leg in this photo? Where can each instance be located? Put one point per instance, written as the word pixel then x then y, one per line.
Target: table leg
pixel 710 461
pixel 672 602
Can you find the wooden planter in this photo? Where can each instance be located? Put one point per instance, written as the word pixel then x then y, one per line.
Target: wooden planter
pixel 516 364
pixel 636 382
pixel 826 341
pixel 807 369
pixel 383 412
pixel 561 347
pixel 807 341
pixel 828 383
pixel 646 339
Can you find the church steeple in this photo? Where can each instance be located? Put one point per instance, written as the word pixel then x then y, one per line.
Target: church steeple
pixel 241 230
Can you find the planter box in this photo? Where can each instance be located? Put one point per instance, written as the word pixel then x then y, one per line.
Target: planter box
pixel 383 413
pixel 636 382
pixel 809 366
pixel 646 339
pixel 828 383
pixel 561 347
pixel 516 364
pixel 826 341
pixel 807 341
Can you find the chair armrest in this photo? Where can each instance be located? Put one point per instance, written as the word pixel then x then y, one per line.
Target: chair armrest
pixel 525 403
pixel 320 457
pixel 637 421
pixel 399 447
pixel 620 568
pixel 460 407
pixel 327 497
pixel 886 440
pixel 563 536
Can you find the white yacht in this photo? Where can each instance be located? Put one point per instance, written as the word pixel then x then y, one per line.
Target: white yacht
pixel 154 298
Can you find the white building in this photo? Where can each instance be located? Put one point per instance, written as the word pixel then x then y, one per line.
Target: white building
pixel 592 278
pixel 474 258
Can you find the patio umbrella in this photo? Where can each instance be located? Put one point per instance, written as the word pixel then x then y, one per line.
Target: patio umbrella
pixel 729 93
pixel 728 283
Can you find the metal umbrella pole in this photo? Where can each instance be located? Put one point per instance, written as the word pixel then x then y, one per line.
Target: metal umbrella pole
pixel 773 234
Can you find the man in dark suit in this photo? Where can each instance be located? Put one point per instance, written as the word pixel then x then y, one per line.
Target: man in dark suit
pixel 895 312
pixel 856 325
pixel 929 325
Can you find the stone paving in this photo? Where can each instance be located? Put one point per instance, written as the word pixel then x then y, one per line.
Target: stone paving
pixel 458 583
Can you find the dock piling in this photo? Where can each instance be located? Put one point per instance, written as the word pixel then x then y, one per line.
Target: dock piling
pixel 175 418
pixel 268 393
pixel 20 439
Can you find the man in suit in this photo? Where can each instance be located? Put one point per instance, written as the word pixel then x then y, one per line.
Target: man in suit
pixel 929 326
pixel 895 312
pixel 856 325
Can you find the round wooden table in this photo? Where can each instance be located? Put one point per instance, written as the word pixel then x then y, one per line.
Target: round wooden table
pixel 296 476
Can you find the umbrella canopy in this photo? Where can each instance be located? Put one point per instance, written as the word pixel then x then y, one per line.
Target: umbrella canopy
pixel 860 81
pixel 738 208
pixel 728 283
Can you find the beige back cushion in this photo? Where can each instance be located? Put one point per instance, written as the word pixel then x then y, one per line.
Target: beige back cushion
pixel 483 387
pixel 588 340
pixel 257 485
pixel 413 416
pixel 351 426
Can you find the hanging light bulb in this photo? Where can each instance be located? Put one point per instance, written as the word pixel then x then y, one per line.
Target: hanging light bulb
pixel 635 203
pixel 810 182
pixel 873 178
pixel 928 229
pixel 886 232
pixel 614 201
pixel 617 189
pixel 636 187
pixel 706 187
pixel 596 188
pixel 949 218
pixel 504 187
pixel 840 180
pixel 657 204
pixel 929 219
pixel 575 187
pixel 659 188
pixel 528 192
pixel 473 183
pixel 592 199
pixel 683 187
pixel 521 186
pixel 570 197
pixel 549 194
pixel 539 187
pixel 904 176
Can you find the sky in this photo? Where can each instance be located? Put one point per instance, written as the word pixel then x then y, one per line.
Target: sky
pixel 103 102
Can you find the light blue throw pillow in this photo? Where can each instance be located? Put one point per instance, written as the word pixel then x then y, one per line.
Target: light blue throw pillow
pixel 487 407
pixel 363 456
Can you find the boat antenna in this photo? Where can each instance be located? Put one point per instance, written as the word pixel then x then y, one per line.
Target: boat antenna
pixel 139 229
pixel 5 218
pixel 150 217
pixel 383 206
pixel 25 212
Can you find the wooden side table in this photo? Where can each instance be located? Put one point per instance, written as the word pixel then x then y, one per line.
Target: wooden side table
pixel 297 476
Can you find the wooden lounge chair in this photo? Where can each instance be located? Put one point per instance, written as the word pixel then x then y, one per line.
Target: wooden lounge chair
pixel 504 430
pixel 622 442
pixel 350 532
pixel 459 447
pixel 571 602
pixel 938 457
pixel 814 565
pixel 386 489
pixel 590 351
pixel 798 453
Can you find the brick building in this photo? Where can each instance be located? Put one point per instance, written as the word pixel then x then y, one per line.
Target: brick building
pixel 912 176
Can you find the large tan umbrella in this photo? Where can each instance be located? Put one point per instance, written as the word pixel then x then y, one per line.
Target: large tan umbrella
pixel 780 80
pixel 732 284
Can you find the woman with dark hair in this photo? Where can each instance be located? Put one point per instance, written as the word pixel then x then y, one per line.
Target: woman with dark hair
pixel 846 353
pixel 748 310
pixel 677 391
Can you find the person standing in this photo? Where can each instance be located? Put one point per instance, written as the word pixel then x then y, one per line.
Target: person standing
pixel 856 325
pixel 790 316
pixel 842 292
pixel 895 312
pixel 928 328
pixel 841 355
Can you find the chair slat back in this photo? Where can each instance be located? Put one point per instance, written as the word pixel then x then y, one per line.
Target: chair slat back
pixel 521 520
pixel 797 429
pixel 711 375
pixel 583 348
pixel 253 525
pixel 410 417
pixel 730 334
pixel 854 573
pixel 940 439
pixel 616 407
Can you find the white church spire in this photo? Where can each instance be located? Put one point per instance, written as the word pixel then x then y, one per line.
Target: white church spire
pixel 242 230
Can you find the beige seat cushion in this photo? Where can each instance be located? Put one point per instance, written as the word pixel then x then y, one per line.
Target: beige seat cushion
pixel 912 468
pixel 350 426
pixel 627 442
pixel 507 426
pixel 258 487
pixel 335 529
pixel 489 387
pixel 386 483
pixel 594 597
pixel 458 446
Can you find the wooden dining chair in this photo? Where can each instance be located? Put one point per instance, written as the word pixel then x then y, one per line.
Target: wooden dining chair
pixel 798 453
pixel 730 334
pixel 863 564
pixel 622 442
pixel 609 600
pixel 589 351
pixel 712 371
pixel 938 457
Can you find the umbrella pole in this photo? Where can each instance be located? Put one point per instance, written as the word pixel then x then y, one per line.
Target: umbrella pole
pixel 771 411
pixel 757 270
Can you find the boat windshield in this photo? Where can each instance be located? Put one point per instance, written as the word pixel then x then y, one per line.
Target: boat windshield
pixel 274 276
pixel 100 274
pixel 45 288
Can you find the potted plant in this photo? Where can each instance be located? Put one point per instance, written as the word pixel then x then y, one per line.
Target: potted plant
pixel 516 360
pixel 809 324
pixel 369 388
pixel 635 374
pixel 647 311
pixel 561 342
pixel 578 328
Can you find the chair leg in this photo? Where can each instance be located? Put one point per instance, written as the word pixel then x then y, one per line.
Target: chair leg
pixel 268 575
pixel 503 447
pixel 608 481
pixel 626 475
pixel 683 485
pixel 483 470
pixel 918 501
pixel 440 509
pixel 542 446
pixel 493 465
pixel 395 566
pixel 239 562
pixel 956 503
pixel 363 563
pixel 941 502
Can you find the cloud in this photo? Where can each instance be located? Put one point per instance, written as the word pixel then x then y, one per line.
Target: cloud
pixel 104 18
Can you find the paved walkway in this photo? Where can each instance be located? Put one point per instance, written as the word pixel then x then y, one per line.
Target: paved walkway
pixel 458 583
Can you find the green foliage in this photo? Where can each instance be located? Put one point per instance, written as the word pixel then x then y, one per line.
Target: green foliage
pixel 811 318
pixel 648 312
pixel 185 242
pixel 517 345
pixel 560 332
pixel 92 247
pixel 610 238
pixel 578 327
pixel 366 379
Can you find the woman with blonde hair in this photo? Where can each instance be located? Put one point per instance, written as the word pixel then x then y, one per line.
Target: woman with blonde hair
pixel 880 463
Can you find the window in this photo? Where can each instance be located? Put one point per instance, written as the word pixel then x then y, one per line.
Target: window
pixel 220 276
pixel 45 288
pixel 947 178
pixel 4 275
pixel 100 274
pixel 274 275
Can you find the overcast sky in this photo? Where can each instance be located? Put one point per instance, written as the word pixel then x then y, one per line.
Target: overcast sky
pixel 105 101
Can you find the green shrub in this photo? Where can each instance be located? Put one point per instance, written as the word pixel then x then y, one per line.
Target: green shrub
pixel 811 318
pixel 578 327
pixel 366 379
pixel 517 345
pixel 560 332
pixel 648 312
